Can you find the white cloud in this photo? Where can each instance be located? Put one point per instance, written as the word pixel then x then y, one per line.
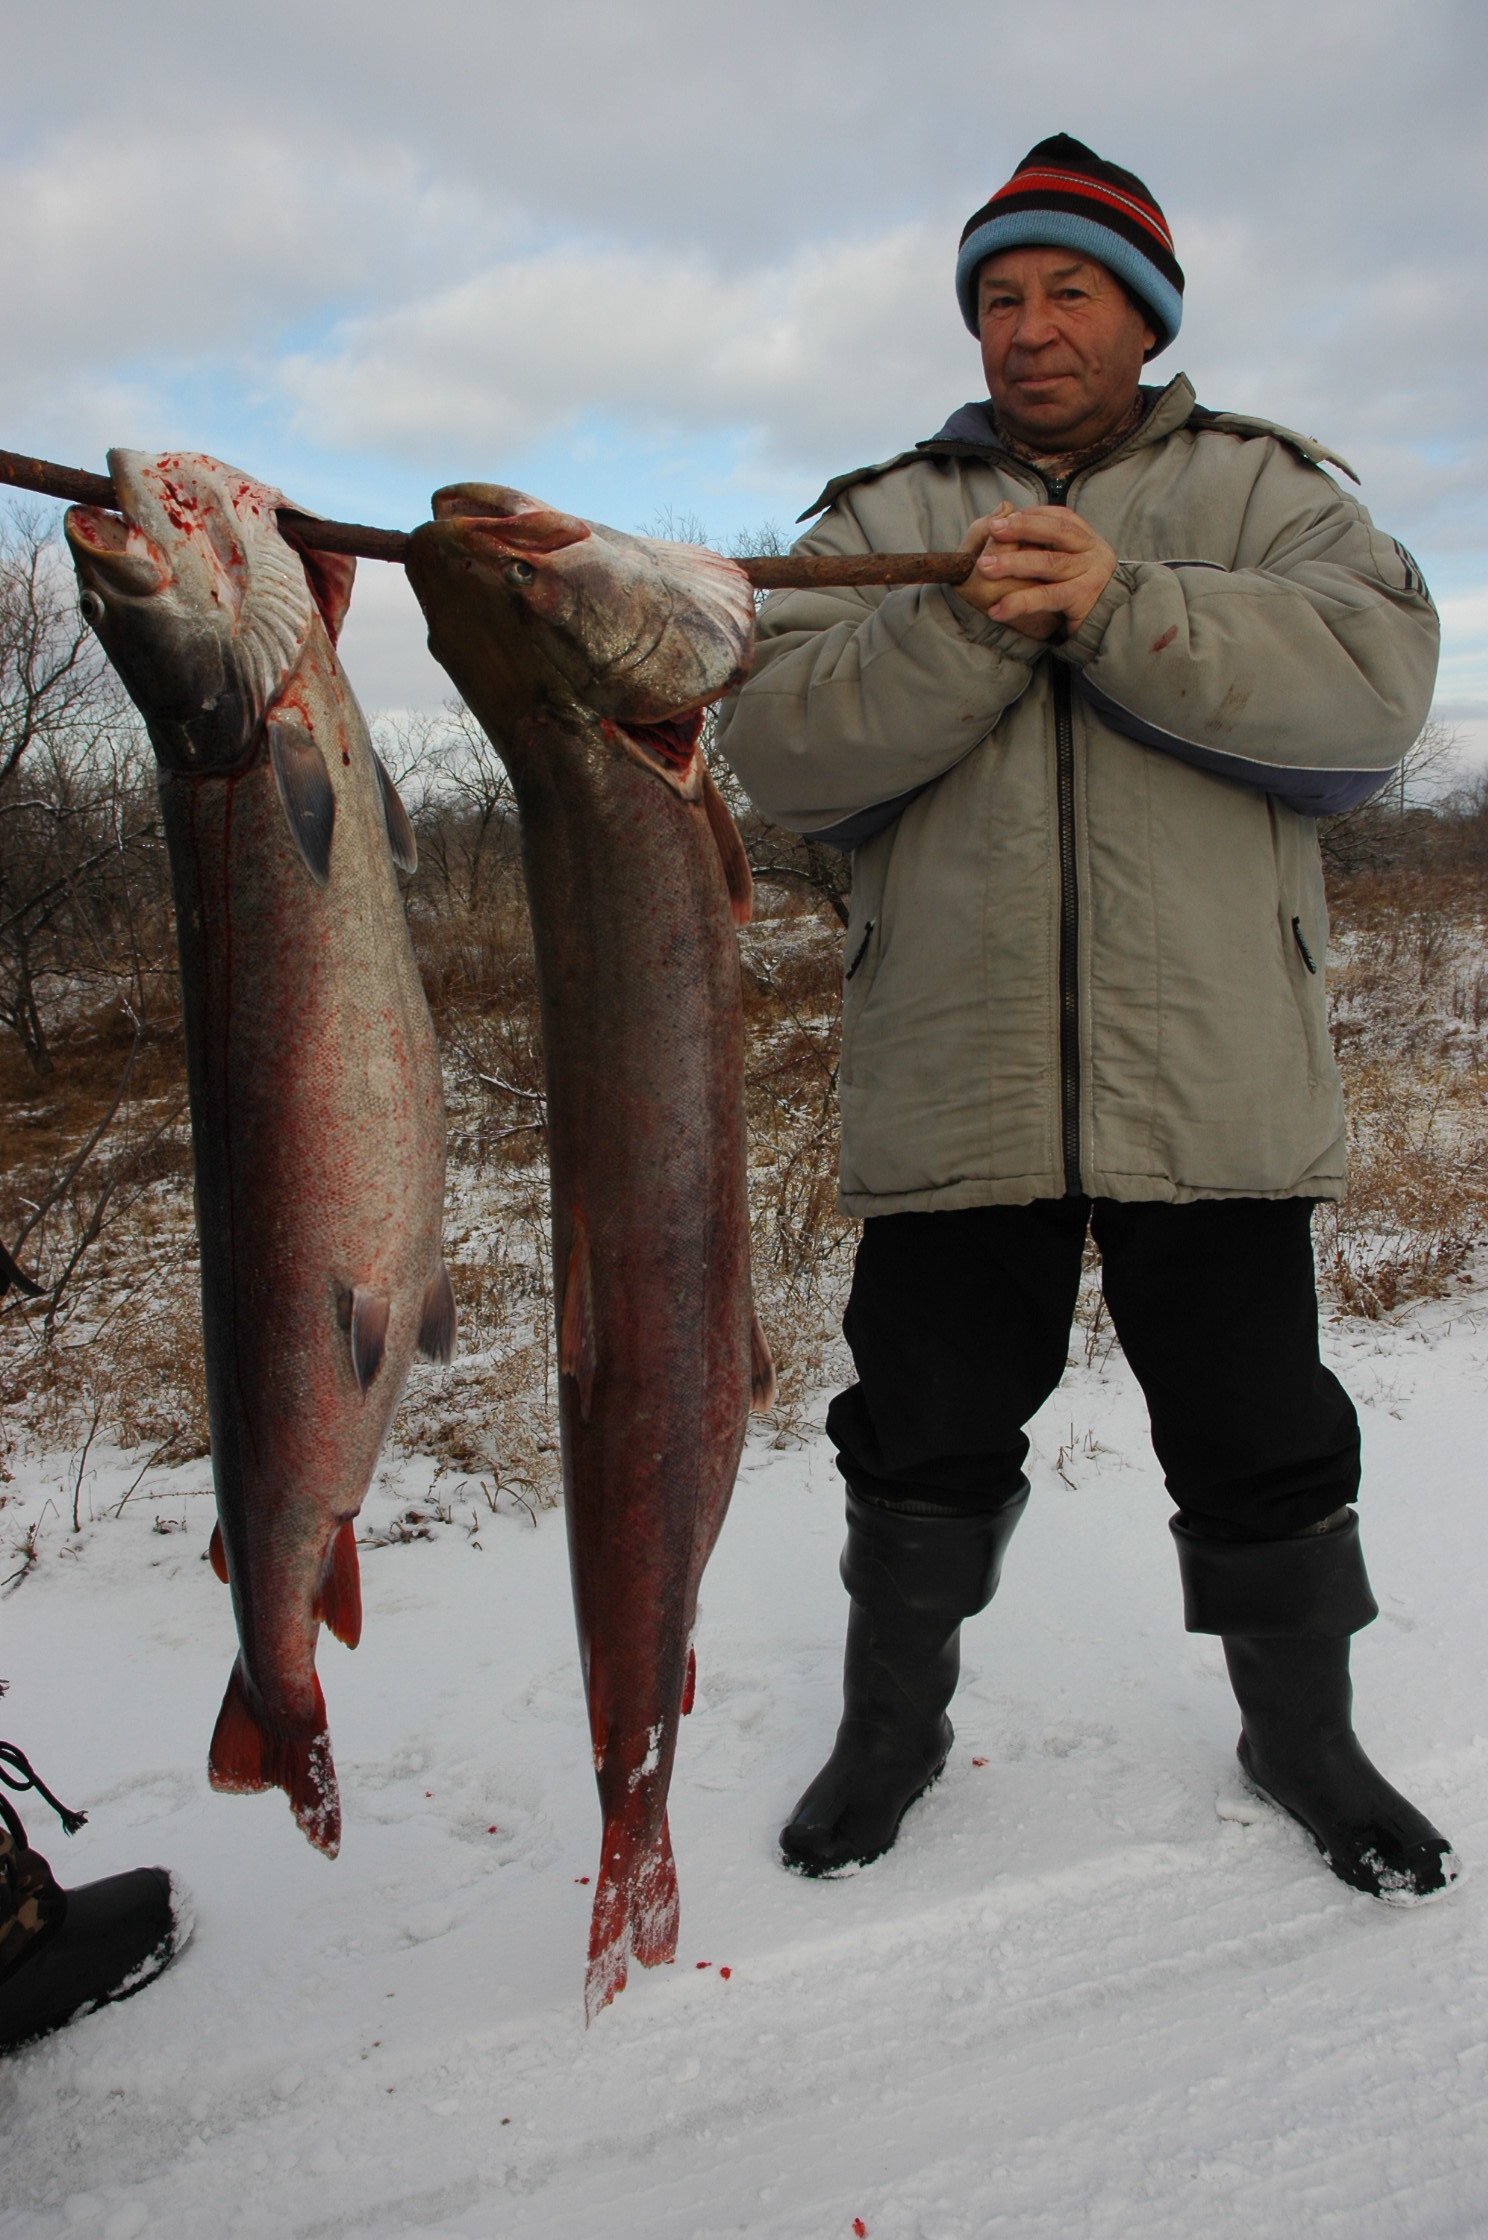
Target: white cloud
pixel 384 644
pixel 128 259
pixel 347 243
pixel 834 348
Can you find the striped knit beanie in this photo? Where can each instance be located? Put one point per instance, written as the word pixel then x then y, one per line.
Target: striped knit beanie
pixel 1062 196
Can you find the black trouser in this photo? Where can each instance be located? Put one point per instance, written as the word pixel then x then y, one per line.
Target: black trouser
pixel 959 1325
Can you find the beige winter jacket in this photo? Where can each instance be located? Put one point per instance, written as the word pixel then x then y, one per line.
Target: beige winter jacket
pixel 1088 926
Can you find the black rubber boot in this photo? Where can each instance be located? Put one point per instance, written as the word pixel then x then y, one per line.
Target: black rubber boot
pixel 1284 1610
pixel 912 1579
pixel 65 1952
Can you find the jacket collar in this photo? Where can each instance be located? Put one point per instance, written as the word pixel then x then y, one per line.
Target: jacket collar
pixel 970 433
pixel 974 425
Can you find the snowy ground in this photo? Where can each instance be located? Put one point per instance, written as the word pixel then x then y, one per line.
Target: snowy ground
pixel 1091 1993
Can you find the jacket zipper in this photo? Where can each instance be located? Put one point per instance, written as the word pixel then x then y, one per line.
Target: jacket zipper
pixel 1069 914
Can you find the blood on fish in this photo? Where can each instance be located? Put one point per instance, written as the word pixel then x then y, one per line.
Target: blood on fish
pixel 675 741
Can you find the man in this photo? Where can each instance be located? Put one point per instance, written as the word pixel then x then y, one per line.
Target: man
pixel 1084 989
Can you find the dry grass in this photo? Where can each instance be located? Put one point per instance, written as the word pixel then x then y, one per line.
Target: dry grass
pixel 1409 999
pixel 115 1356
pixel 97 1160
pixel 802 1244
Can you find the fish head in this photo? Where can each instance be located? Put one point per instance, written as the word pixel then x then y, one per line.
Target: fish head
pixel 200 604
pixel 554 610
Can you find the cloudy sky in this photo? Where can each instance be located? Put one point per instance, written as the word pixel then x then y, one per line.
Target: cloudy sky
pixel 651 256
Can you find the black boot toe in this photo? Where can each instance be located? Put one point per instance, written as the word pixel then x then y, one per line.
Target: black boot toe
pixel 117 1937
pixel 1371 1836
pixel 850 1815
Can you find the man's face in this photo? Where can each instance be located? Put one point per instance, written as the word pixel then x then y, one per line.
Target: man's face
pixel 1062 346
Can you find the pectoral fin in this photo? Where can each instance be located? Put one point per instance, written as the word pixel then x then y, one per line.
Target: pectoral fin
pixel 399 825
pixel 436 1338
pixel 369 1323
pixel 218 1554
pixel 305 794
pixel 761 1369
pixel 577 1351
pixel 736 870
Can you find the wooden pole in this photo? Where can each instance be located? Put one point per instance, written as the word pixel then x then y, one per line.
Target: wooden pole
pixel 767 572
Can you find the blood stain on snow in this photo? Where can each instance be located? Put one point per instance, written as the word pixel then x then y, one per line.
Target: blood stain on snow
pixel 581 1878
pixel 725 1973
pixel 860 2228
pixel 979 1761
pixel 493 1830
pixel 705 1963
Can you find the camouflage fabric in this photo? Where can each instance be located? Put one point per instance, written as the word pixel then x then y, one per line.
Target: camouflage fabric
pixel 32 1907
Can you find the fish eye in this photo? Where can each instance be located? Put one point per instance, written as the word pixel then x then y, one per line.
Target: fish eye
pixel 520 571
pixel 91 608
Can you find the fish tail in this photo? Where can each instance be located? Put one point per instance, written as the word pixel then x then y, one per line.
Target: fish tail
pixel 655 1911
pixel 248 1754
pixel 609 1939
pixel 636 1915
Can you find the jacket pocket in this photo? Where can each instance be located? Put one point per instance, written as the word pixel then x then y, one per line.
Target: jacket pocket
pixel 1303 925
pixel 863 944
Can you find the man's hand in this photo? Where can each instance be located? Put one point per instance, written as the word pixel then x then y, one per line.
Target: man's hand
pixel 1041 569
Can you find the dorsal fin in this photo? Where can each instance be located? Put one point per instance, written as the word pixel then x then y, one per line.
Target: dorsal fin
pixel 725 832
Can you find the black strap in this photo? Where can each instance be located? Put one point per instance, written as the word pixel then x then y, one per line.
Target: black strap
pixel 17 1772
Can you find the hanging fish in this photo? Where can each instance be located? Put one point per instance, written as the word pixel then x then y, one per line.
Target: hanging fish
pixel 589 656
pixel 316 1108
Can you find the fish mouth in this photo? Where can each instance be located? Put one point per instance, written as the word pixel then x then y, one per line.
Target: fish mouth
pixel 506 523
pixel 116 553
